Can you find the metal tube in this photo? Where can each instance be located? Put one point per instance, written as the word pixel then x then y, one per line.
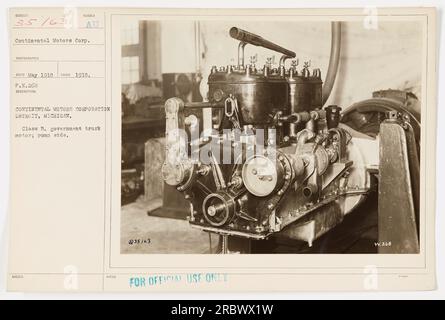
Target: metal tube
pixel 256 40
pixel 283 60
pixel 241 53
pixel 202 105
pixel 334 60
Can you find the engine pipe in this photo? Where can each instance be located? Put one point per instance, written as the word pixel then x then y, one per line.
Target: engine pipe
pixel 203 105
pixel 251 38
pixel 334 60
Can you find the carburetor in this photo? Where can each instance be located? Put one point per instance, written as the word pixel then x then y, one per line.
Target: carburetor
pixel 275 161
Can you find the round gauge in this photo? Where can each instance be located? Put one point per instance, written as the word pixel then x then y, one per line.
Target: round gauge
pixel 262 175
pixel 218 95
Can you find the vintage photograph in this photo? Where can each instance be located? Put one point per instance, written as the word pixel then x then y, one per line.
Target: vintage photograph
pixel 274 136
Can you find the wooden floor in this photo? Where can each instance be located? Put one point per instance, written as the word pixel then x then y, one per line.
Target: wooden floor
pixel 166 235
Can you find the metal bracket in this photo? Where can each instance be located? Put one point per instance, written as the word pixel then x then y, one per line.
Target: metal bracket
pixel 398 188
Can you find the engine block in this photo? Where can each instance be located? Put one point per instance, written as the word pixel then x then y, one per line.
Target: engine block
pixel 275 161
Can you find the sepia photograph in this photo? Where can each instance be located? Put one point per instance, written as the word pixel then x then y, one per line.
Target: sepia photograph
pixel 271 136
pixel 280 151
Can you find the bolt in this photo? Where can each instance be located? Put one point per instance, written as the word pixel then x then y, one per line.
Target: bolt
pixel 270 206
pixel 211 211
pixel 259 229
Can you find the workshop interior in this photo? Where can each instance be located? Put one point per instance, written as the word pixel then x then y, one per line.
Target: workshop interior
pixel 270 137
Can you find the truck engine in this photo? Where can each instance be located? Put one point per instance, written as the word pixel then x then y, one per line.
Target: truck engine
pixel 279 160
